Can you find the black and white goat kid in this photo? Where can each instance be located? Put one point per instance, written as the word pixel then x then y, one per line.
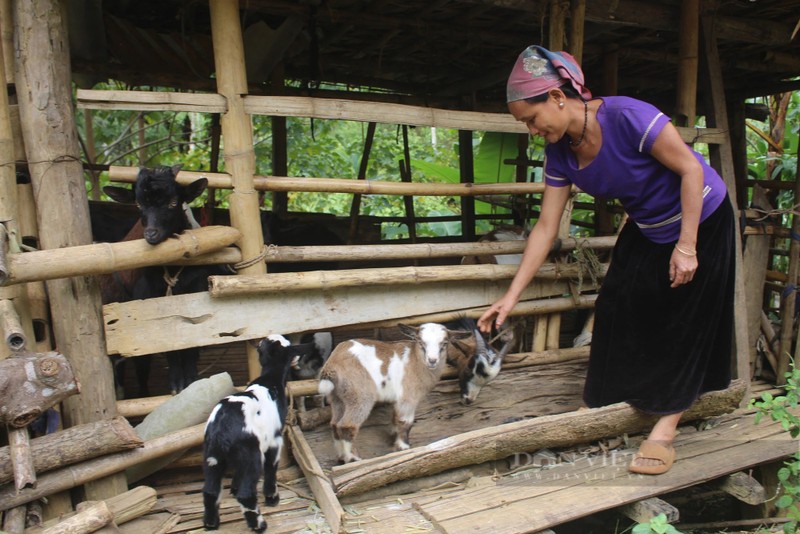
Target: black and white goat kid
pixel 244 432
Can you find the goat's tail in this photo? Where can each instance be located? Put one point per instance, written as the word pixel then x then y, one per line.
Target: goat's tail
pixel 325 387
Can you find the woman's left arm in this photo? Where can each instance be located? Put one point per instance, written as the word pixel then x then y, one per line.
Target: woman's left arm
pixel 673 153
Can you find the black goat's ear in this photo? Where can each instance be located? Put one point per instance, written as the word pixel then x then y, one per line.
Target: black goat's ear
pixel 194 189
pixel 123 195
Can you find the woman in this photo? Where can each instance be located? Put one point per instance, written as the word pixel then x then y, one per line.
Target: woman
pixel 664 316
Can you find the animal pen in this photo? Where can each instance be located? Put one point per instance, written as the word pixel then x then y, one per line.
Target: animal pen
pixel 524 457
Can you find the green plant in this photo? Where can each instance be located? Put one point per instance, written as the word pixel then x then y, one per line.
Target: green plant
pixel 658 524
pixel 782 409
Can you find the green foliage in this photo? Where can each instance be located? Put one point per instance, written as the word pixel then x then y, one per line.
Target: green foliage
pixel 781 409
pixel 657 525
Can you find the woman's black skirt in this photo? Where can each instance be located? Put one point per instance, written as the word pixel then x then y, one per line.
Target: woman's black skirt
pixel 655 347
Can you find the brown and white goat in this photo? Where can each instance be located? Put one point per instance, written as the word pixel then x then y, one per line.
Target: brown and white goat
pixel 361 373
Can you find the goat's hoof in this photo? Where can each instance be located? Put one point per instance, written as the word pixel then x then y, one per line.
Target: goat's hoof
pixel 211 525
pixel 272 500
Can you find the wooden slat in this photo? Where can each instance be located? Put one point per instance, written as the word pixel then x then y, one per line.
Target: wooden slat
pixel 567 492
pixel 337 109
pixel 137 327
pixel 151 101
pixel 323 492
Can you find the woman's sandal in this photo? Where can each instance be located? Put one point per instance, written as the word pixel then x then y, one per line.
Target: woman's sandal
pixel 653 450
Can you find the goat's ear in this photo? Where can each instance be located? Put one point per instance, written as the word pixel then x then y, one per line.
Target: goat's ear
pixel 123 195
pixel 194 189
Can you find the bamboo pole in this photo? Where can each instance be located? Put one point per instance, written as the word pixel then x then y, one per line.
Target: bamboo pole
pixel 11 327
pixel 330 108
pixel 19 447
pixel 83 473
pixel 340 185
pixel 500 441
pixel 352 253
pixel 103 258
pixel 228 286
pixel 372 253
pixel 240 161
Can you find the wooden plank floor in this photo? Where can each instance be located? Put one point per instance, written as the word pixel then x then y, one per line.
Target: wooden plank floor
pixel 528 500
pixel 541 498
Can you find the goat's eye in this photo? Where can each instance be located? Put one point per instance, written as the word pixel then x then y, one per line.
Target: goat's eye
pixel 173 203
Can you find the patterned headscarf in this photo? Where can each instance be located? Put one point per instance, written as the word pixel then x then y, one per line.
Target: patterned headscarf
pixel 537 70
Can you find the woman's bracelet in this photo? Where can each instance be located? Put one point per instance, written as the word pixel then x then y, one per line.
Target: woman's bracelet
pixel 686 252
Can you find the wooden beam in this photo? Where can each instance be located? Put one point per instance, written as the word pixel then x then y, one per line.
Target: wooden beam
pixel 136 328
pixel 689 35
pixel 317 481
pixel 356 110
pixel 722 159
pixel 645 510
pixel 744 487
pixel 231 286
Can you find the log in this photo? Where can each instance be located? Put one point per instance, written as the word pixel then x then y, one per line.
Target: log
pixel 124 507
pixel 19 446
pixel 52 150
pixel 76 475
pixel 30 383
pixel 524 436
pixel 13 334
pixel 104 258
pixel 69 446
pixel 91 519
pixel 229 286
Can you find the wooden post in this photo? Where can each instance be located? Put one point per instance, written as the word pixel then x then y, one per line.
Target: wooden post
pixel 44 91
pixel 722 160
pixel 19 447
pixel 557 25
pixel 687 67
pixel 405 177
pixel 355 206
pixel 576 29
pixel 226 33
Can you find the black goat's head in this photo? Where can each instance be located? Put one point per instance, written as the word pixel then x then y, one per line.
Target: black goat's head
pixel 161 201
pixel 276 357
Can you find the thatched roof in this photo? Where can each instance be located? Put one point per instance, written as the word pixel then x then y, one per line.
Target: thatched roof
pixel 448 53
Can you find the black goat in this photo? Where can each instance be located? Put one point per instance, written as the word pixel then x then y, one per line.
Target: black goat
pixel 245 432
pixel 163 204
pixel 313 351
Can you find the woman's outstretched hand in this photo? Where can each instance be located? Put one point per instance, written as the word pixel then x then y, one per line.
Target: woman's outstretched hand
pixel 497 312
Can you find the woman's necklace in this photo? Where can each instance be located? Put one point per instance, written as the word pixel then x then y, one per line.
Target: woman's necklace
pixel 585 122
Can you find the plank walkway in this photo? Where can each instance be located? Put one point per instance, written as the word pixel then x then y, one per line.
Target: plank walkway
pixel 530 499
pixel 541 498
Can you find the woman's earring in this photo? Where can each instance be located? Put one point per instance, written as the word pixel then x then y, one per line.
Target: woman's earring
pixel 561 104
